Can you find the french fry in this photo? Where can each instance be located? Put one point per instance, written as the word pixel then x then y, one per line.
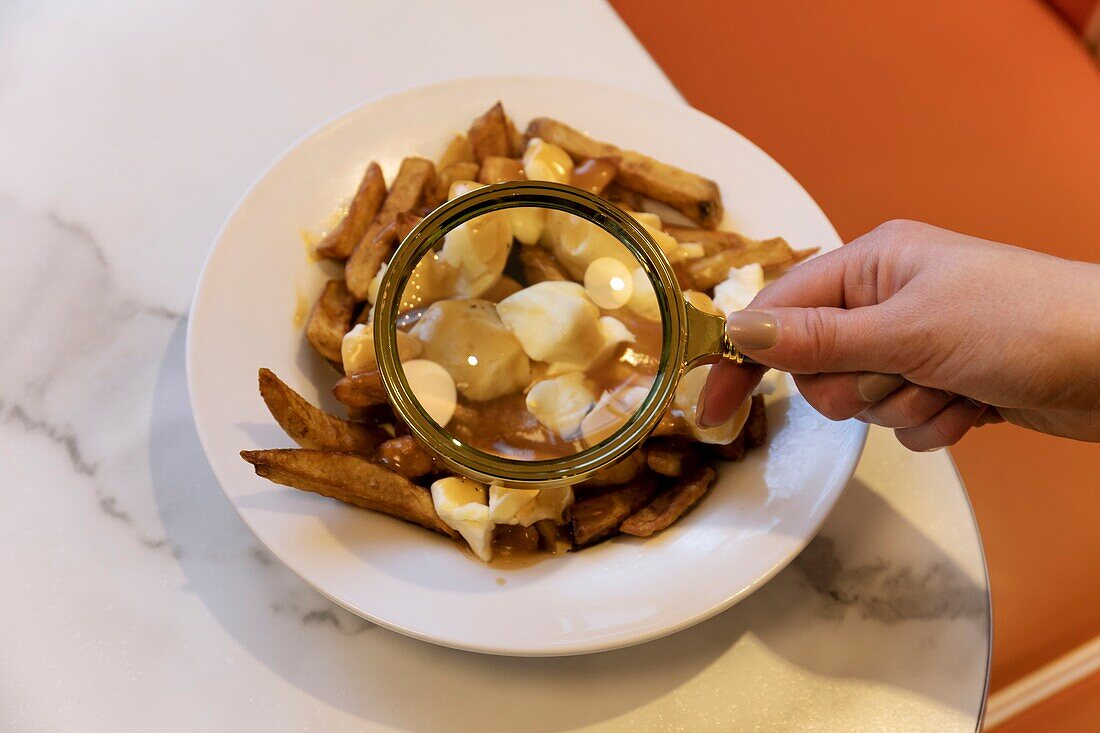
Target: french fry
pixel 694 196
pixel 330 319
pixel 623 472
pixel 488 134
pixel 669 506
pixel 505 286
pixel 496 169
pixel 311 427
pixel 458 150
pixel 361 390
pixel 540 265
pixel 405 456
pixel 706 272
pixel 599 513
pixel 671 457
pixel 624 198
pixel 350 479
pixel 717 241
pixel 339 243
pixel 457 171
pixel 367 259
pixel 514 540
pixel 594 175
pixel 516 140
pixel 413 179
pixel 756 426
pixel 733 451
pixel 552 537
pixel 405 222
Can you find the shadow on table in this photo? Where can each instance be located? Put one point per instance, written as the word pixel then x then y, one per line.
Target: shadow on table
pixel 353 665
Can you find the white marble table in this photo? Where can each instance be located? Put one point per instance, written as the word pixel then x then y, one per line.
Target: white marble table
pixel 133 596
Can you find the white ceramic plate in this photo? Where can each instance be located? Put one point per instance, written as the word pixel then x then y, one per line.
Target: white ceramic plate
pixel 625 591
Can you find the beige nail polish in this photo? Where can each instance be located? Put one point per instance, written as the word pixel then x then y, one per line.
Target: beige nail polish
pixel 751 329
pixel 873 386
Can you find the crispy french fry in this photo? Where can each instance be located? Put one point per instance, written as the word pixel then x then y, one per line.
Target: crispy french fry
pixel 488 134
pixel 496 169
pixel 458 171
pixel 367 259
pixel 312 427
pixel 361 390
pixel 798 255
pixel 623 472
pixel 553 537
pixel 706 272
pixel 598 514
pixel 540 265
pixel 713 240
pixel 351 479
pixel 594 175
pixel 405 222
pixel 669 506
pixel 339 243
pixel 458 150
pixel 671 457
pixel 405 456
pixel 756 426
pixel 516 140
pixel 514 540
pixel 733 451
pixel 624 198
pixel 696 197
pixel 413 179
pixel 330 319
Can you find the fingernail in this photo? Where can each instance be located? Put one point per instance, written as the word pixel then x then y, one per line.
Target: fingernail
pixel 873 386
pixel 751 329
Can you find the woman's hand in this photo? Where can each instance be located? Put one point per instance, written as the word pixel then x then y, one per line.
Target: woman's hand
pixel 928 332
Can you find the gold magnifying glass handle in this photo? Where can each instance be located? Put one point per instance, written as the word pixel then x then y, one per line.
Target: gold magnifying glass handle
pixel 707 341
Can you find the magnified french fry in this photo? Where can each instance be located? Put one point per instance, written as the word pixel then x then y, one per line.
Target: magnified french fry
pixel 339 243
pixel 496 169
pixel 312 427
pixel 598 514
pixel 350 479
pixel 669 506
pixel 488 134
pixel 623 472
pixel 413 179
pixel 540 265
pixel 361 390
pixel 694 196
pixel 330 319
pixel 457 171
pixel 405 456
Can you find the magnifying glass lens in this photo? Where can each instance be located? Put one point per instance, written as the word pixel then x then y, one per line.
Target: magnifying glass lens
pixel 532 334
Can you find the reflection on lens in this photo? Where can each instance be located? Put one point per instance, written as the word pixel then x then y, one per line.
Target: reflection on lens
pixel 543 330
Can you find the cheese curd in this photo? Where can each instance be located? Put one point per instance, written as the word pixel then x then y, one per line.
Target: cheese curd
pixel 468 339
pixel 433 388
pixel 577 243
pixel 543 161
pixel 463 505
pixel 686 400
pixel 554 321
pixel 527 506
pixel 702 301
pixel 613 409
pixel 739 288
pixel 357 349
pixel 609 283
pixel 560 404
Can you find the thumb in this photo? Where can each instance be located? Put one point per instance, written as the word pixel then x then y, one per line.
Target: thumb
pixel 816 340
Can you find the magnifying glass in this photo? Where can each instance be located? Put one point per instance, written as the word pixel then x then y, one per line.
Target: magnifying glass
pixel 550 333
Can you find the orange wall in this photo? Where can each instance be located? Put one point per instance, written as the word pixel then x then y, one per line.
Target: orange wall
pixel 977 116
